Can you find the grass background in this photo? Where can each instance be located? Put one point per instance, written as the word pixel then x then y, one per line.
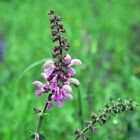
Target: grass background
pixel 104 34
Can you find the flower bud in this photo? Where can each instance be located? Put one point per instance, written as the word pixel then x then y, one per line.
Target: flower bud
pixel 67 88
pixel 75 62
pixel 74 81
pixel 48 63
pixel 49 106
pixel 68 58
pixel 37 83
pixel 38 92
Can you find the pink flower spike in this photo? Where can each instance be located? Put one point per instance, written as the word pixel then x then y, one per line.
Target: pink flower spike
pixel 37 137
pixel 67 88
pixel 38 92
pixel 75 62
pixel 74 81
pixel 37 83
pixel 49 106
pixel 68 58
pixel 48 63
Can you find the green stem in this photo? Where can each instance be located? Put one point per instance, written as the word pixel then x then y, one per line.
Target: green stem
pixel 41 118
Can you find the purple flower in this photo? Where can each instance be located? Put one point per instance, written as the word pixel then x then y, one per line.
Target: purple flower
pixel 49 106
pixel 58 97
pixel 38 92
pixel 71 71
pixel 67 88
pixel 68 58
pixel 59 72
pixel 49 71
pixel 74 81
pixel 75 62
pixel 44 75
pixel 37 83
pixel 53 76
pixel 48 63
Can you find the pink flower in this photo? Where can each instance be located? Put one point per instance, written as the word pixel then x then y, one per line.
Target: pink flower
pixel 39 92
pixel 58 98
pixel 44 75
pixel 68 58
pixel 74 81
pixel 49 71
pixel 69 96
pixel 71 71
pixel 37 83
pixel 53 86
pixel 75 62
pixel 37 137
pixel 49 106
pixel 60 102
pixel 48 63
pixel 67 88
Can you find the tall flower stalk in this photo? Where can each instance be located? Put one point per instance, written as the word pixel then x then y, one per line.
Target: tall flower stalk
pixel 58 72
pixel 105 114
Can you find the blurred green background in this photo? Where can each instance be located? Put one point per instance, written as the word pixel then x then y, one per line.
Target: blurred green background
pixel 104 34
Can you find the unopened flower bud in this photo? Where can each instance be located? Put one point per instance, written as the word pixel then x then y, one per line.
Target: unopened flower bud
pixel 48 63
pixel 74 81
pixel 75 62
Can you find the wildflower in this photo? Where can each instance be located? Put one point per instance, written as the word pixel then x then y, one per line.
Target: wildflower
pixel 58 73
pixel 49 106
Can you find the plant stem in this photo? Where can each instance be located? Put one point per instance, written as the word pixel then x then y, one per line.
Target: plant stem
pixel 43 114
pixel 107 113
pixel 80 111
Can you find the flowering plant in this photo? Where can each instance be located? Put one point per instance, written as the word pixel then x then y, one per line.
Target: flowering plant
pixel 58 72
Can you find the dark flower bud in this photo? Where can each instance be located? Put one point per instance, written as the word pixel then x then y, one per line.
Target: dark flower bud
pixel 67 75
pixel 93 116
pixel 56 38
pixel 103 120
pixel 56 48
pixel 36 111
pixel 46 88
pixel 52 20
pixel 59 18
pixel 91 128
pixel 62 30
pixel 54 33
pixel 54 26
pixel 95 130
pixel 60 26
pixel 76 132
pixel 51 12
